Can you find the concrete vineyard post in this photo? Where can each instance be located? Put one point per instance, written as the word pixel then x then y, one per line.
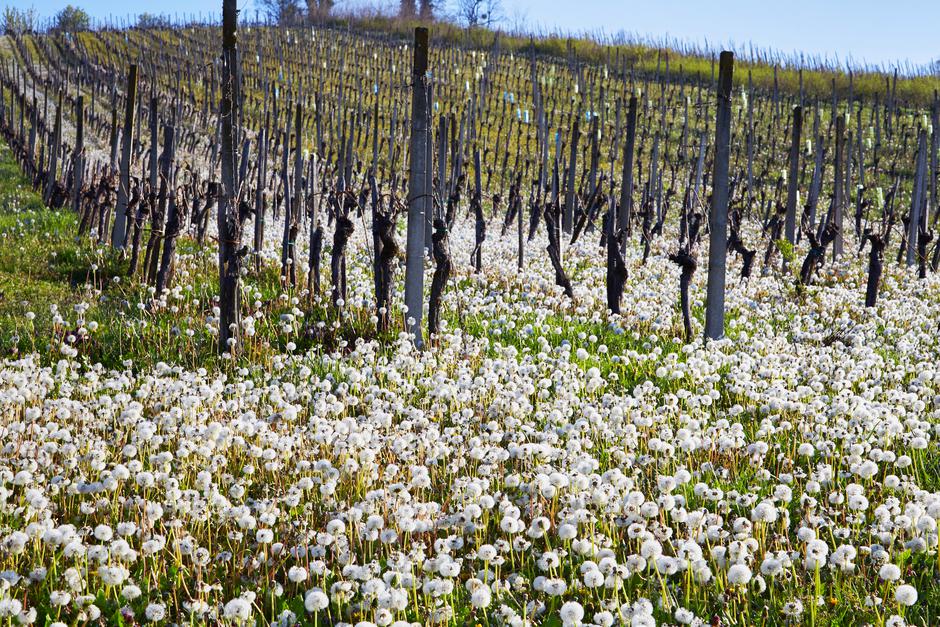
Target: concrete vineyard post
pixel 718 218
pixel 790 228
pixel 78 154
pixel 417 187
pixel 119 232
pixel 837 217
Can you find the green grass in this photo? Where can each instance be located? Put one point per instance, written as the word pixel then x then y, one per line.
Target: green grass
pixel 46 269
pixel 43 264
pixel 40 263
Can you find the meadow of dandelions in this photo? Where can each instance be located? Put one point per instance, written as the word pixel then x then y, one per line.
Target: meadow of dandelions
pixel 542 463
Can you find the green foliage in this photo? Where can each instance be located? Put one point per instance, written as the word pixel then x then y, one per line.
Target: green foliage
pixel 72 19
pixel 786 250
pixel 46 272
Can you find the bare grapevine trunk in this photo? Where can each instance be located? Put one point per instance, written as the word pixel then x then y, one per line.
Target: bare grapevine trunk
pixel 174 223
pixel 386 249
pixel 616 267
pixel 441 274
pixel 875 268
pixel 159 210
pixel 476 204
pixel 687 264
pixel 344 230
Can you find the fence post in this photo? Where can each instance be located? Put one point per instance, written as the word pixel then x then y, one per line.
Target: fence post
pixel 228 219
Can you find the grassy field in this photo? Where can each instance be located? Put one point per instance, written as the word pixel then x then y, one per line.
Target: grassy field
pixel 650 60
pixel 543 461
pixel 582 370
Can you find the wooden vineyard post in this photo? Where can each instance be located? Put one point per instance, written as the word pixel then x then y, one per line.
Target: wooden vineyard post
pixel 625 216
pixel 750 142
pixel 54 154
pixel 297 202
pixel 816 181
pixel 152 169
pixel 113 139
pixel 567 219
pixel 934 156
pixel 718 218
pixel 790 228
pixel 119 232
pixel 285 185
pixel 837 218
pixel 417 188
pixel 259 195
pixel 173 226
pixel 229 220
pixel 78 155
pixel 429 210
pixel 914 225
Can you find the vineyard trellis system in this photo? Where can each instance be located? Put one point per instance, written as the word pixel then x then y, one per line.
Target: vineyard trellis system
pixel 307 131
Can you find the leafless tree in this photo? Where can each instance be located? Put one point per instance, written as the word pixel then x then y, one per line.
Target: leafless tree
pixel 478 12
pixel 282 12
pixel 426 9
pixel 407 9
pixel 319 9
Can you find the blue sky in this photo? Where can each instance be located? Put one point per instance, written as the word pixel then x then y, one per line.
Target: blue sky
pixel 877 32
